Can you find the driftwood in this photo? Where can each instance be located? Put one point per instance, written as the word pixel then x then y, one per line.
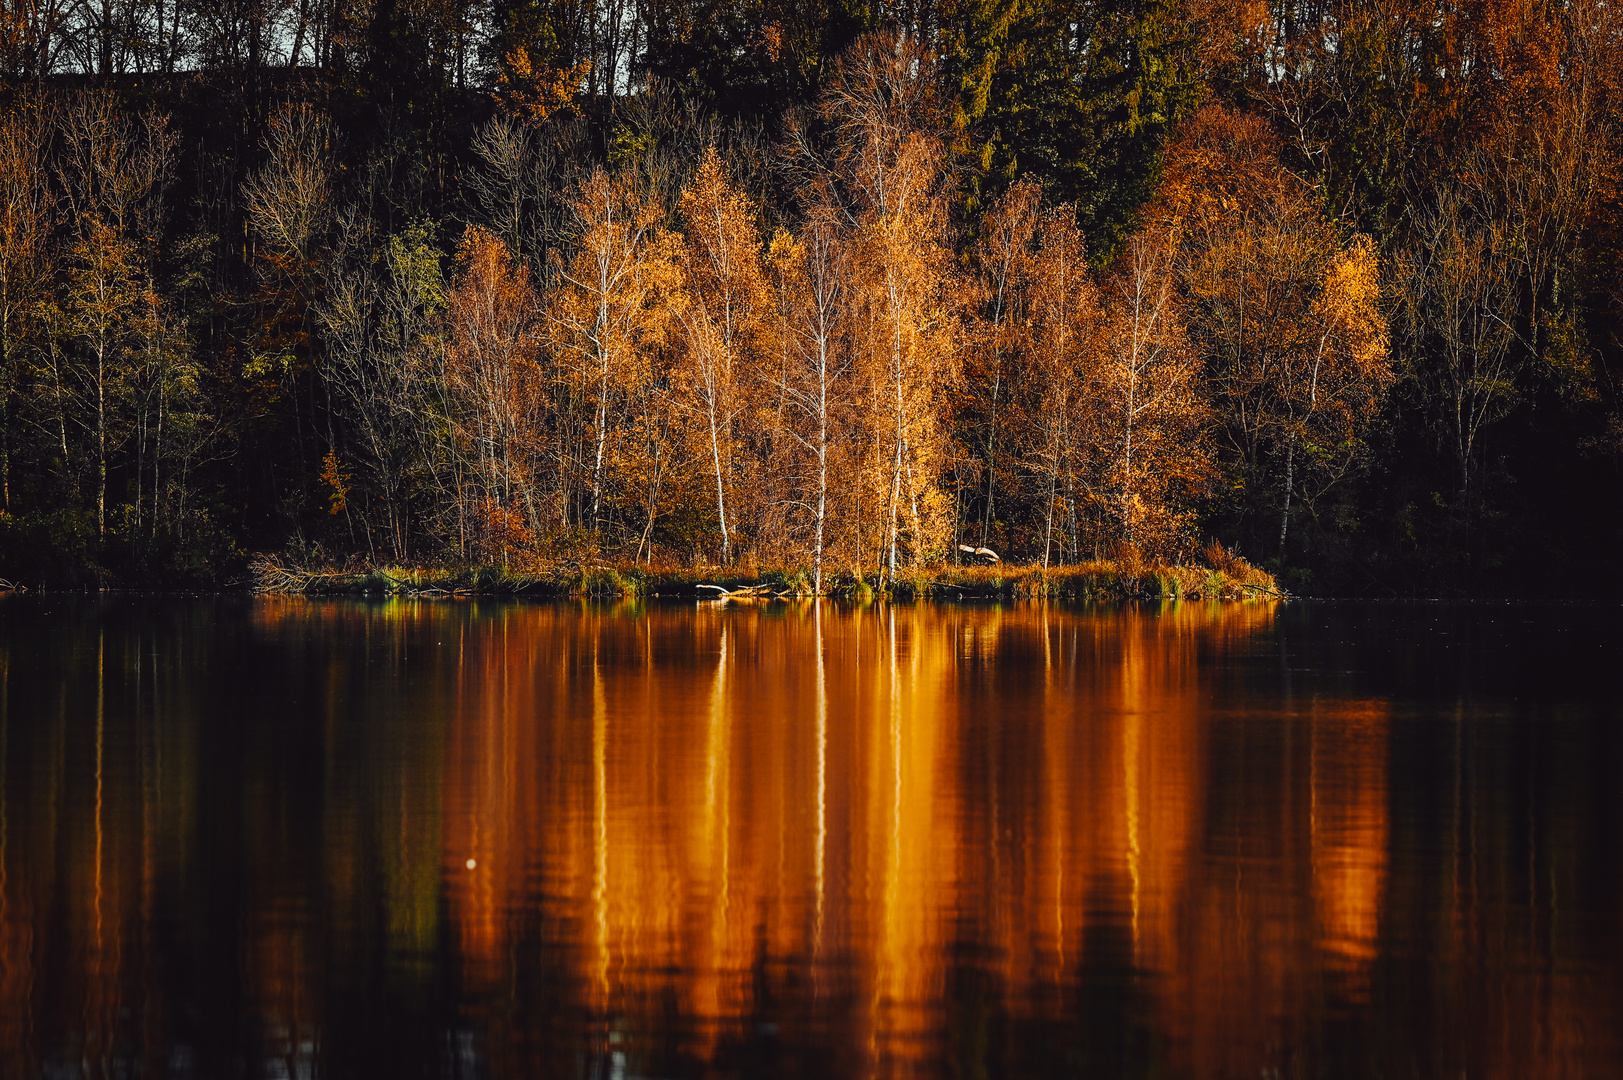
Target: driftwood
pixel 980 553
pixel 750 592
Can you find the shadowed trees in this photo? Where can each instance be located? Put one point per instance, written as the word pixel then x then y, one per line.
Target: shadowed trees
pixel 1288 312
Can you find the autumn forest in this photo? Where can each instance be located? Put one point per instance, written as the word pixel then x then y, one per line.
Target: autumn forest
pixel 832 285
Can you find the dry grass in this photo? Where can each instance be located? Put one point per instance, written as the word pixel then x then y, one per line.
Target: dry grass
pixel 272 575
pixel 1227 577
pixel 1104 580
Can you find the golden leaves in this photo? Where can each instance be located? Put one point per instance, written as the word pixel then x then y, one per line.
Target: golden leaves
pixel 535 95
pixel 1348 306
pixel 491 372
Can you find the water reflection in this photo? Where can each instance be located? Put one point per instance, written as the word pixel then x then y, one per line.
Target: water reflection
pixel 283 837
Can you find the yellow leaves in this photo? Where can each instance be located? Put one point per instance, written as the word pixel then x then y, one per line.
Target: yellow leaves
pixel 619 290
pixel 102 279
pixel 414 261
pixel 518 67
pixel 1101 395
pixel 492 306
pixel 496 389
pixel 1290 316
pixel 1064 301
pixel 498 534
pixel 268 365
pixel 721 258
pixel 535 95
pixel 770 38
pixel 1348 306
pixel 785 256
pixel 481 255
pixel 1353 279
pixel 723 318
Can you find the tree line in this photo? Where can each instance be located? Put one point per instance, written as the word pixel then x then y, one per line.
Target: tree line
pixel 848 289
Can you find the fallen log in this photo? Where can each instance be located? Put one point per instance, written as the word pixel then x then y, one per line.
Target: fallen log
pixel 749 592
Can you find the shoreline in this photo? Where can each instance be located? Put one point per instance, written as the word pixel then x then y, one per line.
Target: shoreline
pixel 1105 580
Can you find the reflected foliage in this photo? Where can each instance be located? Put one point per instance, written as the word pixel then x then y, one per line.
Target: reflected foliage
pixel 803 840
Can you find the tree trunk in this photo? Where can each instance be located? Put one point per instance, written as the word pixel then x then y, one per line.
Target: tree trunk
pixel 721 501
pixel 991 455
pixel 1290 483
pixel 822 477
pixel 157 458
pixel 5 416
pixel 895 503
pixel 913 504
pixel 1048 526
pixel 602 440
pixel 101 446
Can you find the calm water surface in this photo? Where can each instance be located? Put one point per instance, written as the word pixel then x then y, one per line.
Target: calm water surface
pixel 275 837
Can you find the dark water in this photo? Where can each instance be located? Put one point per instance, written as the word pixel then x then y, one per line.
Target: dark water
pixel 261 837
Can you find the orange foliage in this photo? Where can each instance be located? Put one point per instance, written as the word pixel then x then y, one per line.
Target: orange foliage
pixel 337 482
pixel 1287 311
pixel 1095 377
pixel 892 162
pixel 491 371
pixel 535 96
pixel 608 312
pixel 723 318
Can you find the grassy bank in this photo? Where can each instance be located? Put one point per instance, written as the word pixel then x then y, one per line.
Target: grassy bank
pixel 1225 577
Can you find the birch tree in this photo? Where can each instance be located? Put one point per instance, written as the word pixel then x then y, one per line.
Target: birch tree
pixel 112 173
pixel 383 332
pixel 604 312
pixel 494 379
pixel 891 161
pixel 994 342
pixel 810 277
pixel 1262 269
pixel 1149 406
pixel 1063 305
pixel 1459 292
pixel 721 316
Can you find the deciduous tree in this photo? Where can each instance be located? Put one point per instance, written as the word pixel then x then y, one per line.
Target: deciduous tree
pixel 996 343
pixel 112 174
pixel 493 375
pixel 891 162
pixel 1459 295
pixel 809 276
pixel 722 316
pixel 385 342
pixel 25 229
pixel 1263 269
pixel 1060 349
pixel 606 309
pixel 1148 402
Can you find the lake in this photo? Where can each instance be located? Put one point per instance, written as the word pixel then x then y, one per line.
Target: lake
pixel 281 837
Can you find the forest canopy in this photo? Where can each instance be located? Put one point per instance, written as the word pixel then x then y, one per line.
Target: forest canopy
pixel 838 286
